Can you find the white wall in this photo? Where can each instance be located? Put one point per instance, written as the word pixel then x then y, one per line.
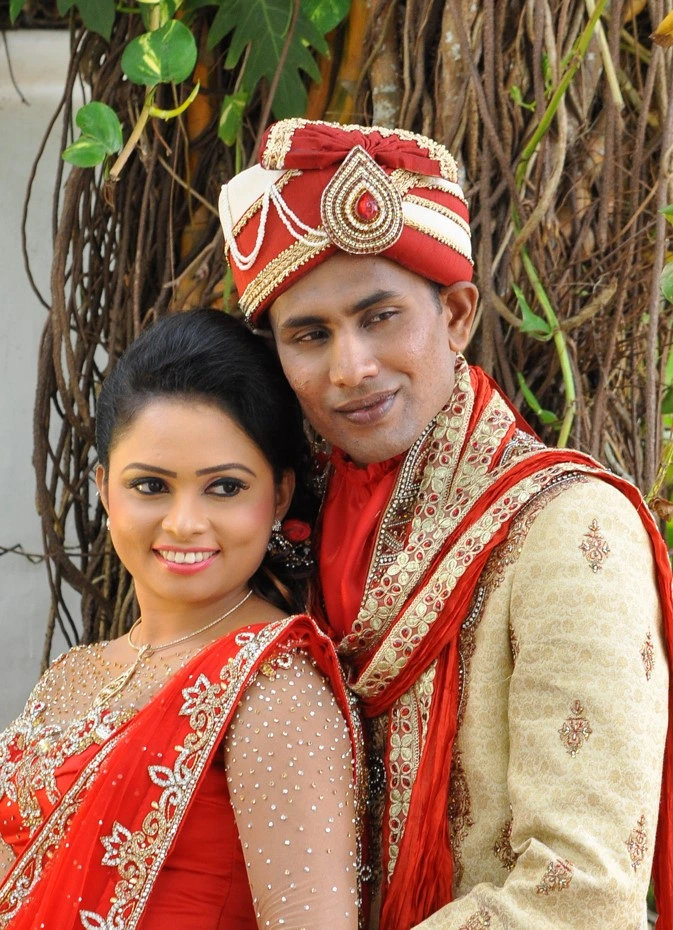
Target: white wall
pixel 39 62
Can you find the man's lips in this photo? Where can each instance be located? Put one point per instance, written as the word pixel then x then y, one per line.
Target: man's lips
pixel 368 410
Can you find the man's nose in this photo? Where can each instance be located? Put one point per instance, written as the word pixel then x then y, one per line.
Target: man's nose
pixel 352 360
pixel 185 517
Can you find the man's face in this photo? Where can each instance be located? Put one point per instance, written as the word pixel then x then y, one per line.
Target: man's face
pixel 368 347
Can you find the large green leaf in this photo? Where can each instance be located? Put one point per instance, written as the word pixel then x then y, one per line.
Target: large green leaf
pixel 532 324
pixel 326 14
pixel 97 15
pixel 166 54
pixel 262 26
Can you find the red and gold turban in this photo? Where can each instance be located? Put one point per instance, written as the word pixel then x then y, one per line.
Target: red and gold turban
pixel 320 187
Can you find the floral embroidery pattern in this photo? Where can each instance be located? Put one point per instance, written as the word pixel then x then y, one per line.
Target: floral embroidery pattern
pixel 478 921
pixel 460 813
pixel 514 644
pixel 647 655
pixel 576 730
pixel 637 844
pixel 503 847
pixel 595 547
pixel 556 878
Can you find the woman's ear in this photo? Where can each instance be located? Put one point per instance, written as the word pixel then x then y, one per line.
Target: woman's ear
pixel 101 484
pixel 284 492
pixel 459 301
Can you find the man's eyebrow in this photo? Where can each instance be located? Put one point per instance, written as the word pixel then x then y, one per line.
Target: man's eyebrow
pixel 316 319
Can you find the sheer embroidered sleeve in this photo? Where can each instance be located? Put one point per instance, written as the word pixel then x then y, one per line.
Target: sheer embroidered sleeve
pixel 290 775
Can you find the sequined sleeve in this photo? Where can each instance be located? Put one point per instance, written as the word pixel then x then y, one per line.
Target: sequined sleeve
pixel 582 728
pixel 290 775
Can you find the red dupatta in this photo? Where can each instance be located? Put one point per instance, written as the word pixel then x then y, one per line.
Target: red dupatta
pixel 94 861
pixel 462 483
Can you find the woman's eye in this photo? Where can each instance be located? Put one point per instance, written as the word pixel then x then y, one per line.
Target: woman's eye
pixel 149 485
pixel 227 487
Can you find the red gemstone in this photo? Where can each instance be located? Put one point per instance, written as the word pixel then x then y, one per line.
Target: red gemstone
pixel 367 207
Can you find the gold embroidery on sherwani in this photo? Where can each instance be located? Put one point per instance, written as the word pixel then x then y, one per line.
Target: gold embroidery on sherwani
pixel 595 547
pixel 503 846
pixel 647 655
pixel 513 643
pixel 557 877
pixel 637 844
pixel 460 813
pixel 478 921
pixel 575 730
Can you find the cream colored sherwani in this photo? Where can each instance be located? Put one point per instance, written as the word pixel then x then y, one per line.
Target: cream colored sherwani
pixel 563 714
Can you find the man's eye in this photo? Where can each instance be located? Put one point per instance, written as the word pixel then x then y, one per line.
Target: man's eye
pixel 227 487
pixel 381 316
pixel 149 485
pixel 313 335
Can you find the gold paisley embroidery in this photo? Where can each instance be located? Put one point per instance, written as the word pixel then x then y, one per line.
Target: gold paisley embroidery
pixel 576 730
pixel 478 921
pixel 647 655
pixel 637 844
pixel 513 643
pixel 503 847
pixel 557 877
pixel 595 547
pixel 460 814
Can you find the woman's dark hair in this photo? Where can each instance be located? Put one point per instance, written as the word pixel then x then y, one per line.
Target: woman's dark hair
pixel 206 355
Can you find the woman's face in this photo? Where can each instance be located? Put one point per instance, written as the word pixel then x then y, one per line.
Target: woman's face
pixel 191 501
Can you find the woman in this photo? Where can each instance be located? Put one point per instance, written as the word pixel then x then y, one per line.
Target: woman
pixel 197 772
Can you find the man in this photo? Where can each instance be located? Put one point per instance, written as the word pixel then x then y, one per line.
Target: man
pixel 501 608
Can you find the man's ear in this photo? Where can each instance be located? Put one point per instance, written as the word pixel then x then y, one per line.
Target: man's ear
pixel 101 484
pixel 459 301
pixel 284 492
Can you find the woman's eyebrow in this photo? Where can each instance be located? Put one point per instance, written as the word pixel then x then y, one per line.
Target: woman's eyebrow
pixel 227 466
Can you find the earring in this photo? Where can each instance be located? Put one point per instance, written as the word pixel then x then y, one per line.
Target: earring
pixel 107 523
pixel 274 541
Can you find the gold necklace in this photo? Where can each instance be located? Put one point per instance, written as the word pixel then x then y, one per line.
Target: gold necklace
pixel 115 686
pixel 148 649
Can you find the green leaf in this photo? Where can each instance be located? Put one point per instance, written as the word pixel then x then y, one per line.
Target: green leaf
pixel 166 54
pixel 261 27
pixel 15 7
pixel 547 416
pixel 668 213
pixel 99 122
pixel 326 14
pixel 231 117
pixel 167 10
pixel 97 15
pixel 667 402
pixel 532 324
pixel 85 153
pixel 666 282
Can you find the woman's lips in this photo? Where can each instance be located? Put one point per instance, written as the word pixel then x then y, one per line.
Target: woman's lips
pixel 368 410
pixel 186 568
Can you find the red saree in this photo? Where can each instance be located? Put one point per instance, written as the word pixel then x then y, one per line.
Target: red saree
pixel 97 857
pixel 460 486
